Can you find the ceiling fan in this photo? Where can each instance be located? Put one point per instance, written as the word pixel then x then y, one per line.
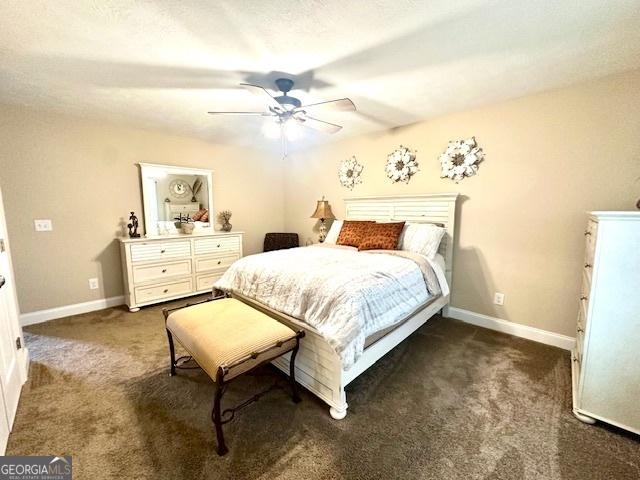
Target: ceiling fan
pixel 288 112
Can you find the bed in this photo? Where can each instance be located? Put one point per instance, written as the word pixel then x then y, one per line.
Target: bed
pixel 408 291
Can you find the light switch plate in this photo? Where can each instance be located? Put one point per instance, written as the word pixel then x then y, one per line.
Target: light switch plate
pixel 44 225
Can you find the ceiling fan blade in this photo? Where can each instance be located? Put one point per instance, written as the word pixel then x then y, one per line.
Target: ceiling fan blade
pixel 339 105
pixel 261 92
pixel 320 125
pixel 261 114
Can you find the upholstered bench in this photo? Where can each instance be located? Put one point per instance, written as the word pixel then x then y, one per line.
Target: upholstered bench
pixel 227 338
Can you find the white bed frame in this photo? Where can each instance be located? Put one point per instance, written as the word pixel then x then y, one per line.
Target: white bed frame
pixel 318 367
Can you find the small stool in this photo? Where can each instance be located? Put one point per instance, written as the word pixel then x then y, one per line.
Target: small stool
pixel 228 338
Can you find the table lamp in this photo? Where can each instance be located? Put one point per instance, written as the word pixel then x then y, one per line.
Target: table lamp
pixel 323 212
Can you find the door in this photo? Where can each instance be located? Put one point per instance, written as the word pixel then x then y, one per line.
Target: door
pixel 12 357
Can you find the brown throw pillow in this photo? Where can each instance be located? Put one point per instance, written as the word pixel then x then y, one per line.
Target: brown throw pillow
pixel 382 236
pixel 352 232
pixel 198 216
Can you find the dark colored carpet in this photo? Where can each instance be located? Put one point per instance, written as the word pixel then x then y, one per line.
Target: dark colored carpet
pixel 453 401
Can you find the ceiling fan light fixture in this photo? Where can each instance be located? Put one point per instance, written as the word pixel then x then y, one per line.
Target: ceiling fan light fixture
pixel 292 130
pixel 272 129
pixel 287 117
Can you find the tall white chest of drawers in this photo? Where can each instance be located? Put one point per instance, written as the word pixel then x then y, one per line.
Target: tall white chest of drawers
pixel 165 268
pixel 606 360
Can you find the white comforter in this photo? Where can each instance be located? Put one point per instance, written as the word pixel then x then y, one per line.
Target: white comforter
pixel 344 294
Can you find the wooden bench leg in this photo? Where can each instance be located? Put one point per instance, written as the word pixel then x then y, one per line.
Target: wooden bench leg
pixel 216 416
pixel 172 354
pixel 292 374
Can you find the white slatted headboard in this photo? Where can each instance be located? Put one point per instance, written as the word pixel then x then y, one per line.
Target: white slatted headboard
pixel 428 208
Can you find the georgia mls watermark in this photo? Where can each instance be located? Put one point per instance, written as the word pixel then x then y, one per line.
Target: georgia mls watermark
pixel 35 468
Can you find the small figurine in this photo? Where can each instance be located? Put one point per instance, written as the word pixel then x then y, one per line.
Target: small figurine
pixel 133 226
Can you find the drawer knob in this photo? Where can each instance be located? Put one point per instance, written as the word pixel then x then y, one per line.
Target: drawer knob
pixel 162 251
pixel 166 290
pixel 164 270
pixel 587 265
pixel 219 262
pixel 583 297
pixel 587 233
pixel 581 330
pixel 218 245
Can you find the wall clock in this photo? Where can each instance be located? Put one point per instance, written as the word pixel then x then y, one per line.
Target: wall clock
pixel 179 188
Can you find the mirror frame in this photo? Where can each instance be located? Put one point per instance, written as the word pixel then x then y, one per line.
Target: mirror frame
pixel 149 194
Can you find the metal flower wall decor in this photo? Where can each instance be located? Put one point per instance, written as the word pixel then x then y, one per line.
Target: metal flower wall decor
pixel 461 159
pixel 401 165
pixel 350 172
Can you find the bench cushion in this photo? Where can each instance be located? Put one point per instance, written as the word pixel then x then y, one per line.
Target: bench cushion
pixel 218 333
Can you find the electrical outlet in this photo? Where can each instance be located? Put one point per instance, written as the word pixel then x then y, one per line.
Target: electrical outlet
pixel 43 225
pixel 498 298
pixel 93 284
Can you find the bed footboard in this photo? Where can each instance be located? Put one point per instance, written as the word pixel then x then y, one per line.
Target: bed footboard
pixel 319 370
pixel 318 367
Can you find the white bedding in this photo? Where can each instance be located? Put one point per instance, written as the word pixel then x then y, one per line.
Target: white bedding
pixel 344 294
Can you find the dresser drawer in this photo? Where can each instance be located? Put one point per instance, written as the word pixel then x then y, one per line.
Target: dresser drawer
pixel 206 281
pixel 165 290
pixel 580 329
pixel 581 323
pixel 219 262
pixel 144 252
pixel 576 366
pixel 585 288
pixel 590 235
pixel 204 246
pixel 579 345
pixel 584 310
pixel 147 273
pixel 184 207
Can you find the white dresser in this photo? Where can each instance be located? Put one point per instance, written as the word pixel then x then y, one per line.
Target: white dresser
pixel 164 268
pixel 606 360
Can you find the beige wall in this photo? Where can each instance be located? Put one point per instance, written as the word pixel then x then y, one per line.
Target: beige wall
pixel 83 175
pixel 549 158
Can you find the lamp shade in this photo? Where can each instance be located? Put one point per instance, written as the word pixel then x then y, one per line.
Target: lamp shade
pixel 323 210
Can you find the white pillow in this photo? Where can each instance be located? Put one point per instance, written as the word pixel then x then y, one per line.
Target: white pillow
pixel 423 238
pixel 334 231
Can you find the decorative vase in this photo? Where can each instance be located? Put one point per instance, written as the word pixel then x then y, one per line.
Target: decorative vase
pixel 226 227
pixel 187 228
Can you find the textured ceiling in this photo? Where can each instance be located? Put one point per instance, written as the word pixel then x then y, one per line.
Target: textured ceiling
pixel 163 64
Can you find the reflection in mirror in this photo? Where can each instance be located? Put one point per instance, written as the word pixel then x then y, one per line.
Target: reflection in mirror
pixel 176 198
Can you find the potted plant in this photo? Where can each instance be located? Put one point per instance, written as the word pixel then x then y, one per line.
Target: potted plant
pixel 185 224
pixel 224 217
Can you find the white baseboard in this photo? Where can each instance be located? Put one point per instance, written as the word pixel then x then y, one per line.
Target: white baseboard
pixel 492 323
pixel 67 310
pixel 516 329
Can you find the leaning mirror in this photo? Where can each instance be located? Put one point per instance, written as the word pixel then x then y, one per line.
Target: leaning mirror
pixel 176 199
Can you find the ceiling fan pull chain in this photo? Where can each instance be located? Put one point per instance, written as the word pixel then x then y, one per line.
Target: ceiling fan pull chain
pixel 283 137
